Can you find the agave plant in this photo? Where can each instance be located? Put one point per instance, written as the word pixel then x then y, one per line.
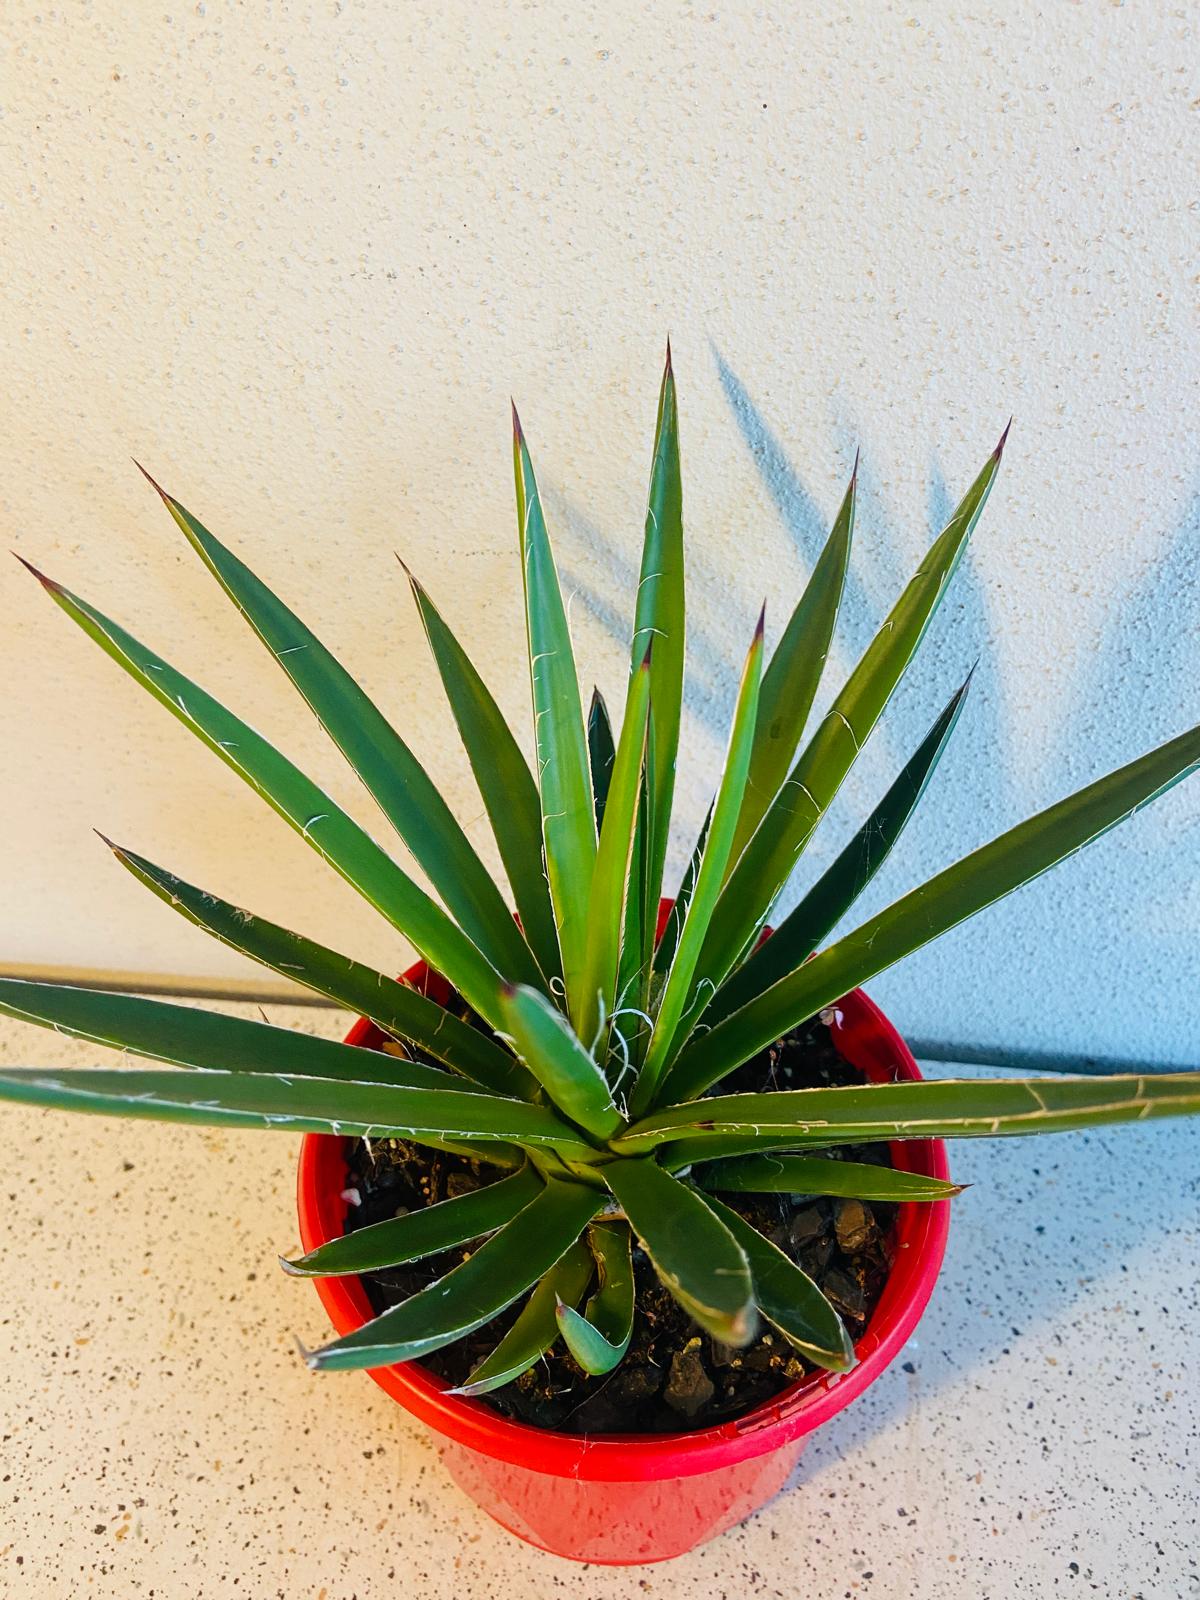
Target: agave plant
pixel 588 1087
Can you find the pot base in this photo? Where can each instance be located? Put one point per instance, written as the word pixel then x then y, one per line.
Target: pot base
pixel 633 1523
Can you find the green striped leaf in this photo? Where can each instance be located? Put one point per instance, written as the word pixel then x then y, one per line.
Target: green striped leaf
pixel 568 807
pixel 664 953
pixel 610 876
pixel 601 753
pixel 297 1105
pixel 680 1004
pixel 389 771
pixel 536 1329
pixel 789 1299
pixel 635 968
pixel 949 1108
pixel 545 1041
pixel 692 1250
pixel 791 680
pixel 420 1233
pixel 189 1036
pixel 829 899
pixel 491 1278
pixel 395 1007
pixel 659 620
pixel 323 824
pixel 768 859
pixel 822 1175
pixel 599 1338
pixel 505 782
pixel 945 900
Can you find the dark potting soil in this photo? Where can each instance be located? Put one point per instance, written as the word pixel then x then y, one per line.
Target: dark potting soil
pixel 675 1377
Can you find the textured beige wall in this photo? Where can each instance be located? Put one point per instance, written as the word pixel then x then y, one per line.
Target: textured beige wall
pixel 296 257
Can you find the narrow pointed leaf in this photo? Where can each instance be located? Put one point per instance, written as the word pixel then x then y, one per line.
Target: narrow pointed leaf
pixel 549 1047
pixel 599 1338
pixel 498 1273
pixel 635 967
pixel 664 953
pixel 679 1004
pixel 793 675
pixel 564 781
pixel 421 1233
pixel 388 769
pixel 821 1175
pixel 395 1007
pixel 610 876
pixel 314 815
pixel 947 1108
pixel 692 1250
pixel 829 899
pixel 536 1329
pixel 788 1297
pixel 659 619
pixel 767 861
pixel 941 903
pixel 601 753
pixel 189 1036
pixel 505 783
pixel 296 1105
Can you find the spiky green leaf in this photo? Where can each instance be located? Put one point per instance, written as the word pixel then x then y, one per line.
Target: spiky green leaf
pixel 601 753
pixel 692 1250
pixel 735 1124
pixel 788 1297
pixel 599 1338
pixel 387 767
pixel 314 815
pixel 767 861
pixel 659 620
pixel 298 1105
pixel 420 1233
pixel 536 1329
pixel 396 1007
pixel 829 899
pixel 680 1003
pixel 945 900
pixel 505 782
pixel 189 1036
pixel 495 1275
pixel 550 1048
pixel 793 674
pixel 822 1175
pixel 564 781
pixel 610 876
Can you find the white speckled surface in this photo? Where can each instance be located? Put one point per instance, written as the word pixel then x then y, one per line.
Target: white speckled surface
pixel 296 256
pixel 159 1436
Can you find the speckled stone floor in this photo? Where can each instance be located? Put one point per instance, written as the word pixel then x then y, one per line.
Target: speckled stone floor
pixel 160 1436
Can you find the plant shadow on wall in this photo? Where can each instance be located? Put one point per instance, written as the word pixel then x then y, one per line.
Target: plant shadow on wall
pixel 1137 669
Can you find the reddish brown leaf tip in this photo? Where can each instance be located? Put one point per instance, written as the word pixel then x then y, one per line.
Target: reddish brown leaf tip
pixel 999 450
pixel 597 699
pixel 104 839
pixel 648 657
pixel 508 990
pixel 518 431
pixel 154 484
pixel 46 583
pixel 762 622
pixel 670 370
pixel 854 468
pixel 406 569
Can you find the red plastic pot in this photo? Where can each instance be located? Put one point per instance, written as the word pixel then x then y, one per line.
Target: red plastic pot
pixel 625 1499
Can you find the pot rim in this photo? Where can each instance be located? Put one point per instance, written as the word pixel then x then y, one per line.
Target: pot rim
pixel 866 1038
